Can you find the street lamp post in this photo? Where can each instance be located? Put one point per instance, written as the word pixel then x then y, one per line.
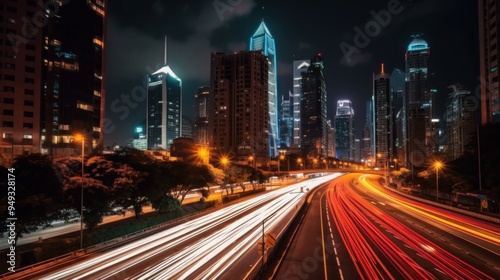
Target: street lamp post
pixel 437 165
pixel 82 139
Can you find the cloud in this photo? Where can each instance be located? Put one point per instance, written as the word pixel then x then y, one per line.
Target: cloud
pixel 284 68
pixel 236 46
pixel 216 14
pixel 355 59
pixel 189 59
pixel 158 7
pixel 304 46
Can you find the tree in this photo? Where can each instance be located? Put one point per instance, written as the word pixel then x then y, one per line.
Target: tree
pixel 38 194
pixel 127 189
pixel 187 177
pixel 96 199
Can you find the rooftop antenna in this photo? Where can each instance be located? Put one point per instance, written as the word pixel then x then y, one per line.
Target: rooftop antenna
pixel 165 52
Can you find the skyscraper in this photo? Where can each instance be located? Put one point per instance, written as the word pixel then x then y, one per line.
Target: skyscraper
pixel 263 41
pixel 53 83
pixel 239 95
pixel 383 118
pixel 286 122
pixel 313 110
pixel 164 108
pixel 460 121
pixel 201 108
pixel 344 130
pixel 397 83
pixel 489 10
pixel 367 154
pixel 418 102
pixel 299 67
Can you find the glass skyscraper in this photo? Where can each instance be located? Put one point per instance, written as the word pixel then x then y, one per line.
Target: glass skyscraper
pixel 418 102
pixel 313 110
pixel 299 67
pixel 262 40
pixel 344 130
pixel 164 109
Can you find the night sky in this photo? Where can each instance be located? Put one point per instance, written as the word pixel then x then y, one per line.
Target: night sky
pixel 301 29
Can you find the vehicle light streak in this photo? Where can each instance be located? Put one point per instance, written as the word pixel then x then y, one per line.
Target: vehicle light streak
pixel 205 252
pixel 356 221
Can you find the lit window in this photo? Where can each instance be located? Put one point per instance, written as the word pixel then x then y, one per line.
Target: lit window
pixel 84 106
pixel 28 136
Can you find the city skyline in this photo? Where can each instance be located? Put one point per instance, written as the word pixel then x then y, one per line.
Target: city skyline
pixel 196 30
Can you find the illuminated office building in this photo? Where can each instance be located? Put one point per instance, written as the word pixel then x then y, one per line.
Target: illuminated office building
pixel 313 110
pixel 418 103
pixel 201 108
pixel 164 108
pixel 344 130
pixel 299 67
pixel 383 118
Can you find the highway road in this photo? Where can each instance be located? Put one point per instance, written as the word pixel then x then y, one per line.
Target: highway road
pixel 361 230
pixel 219 245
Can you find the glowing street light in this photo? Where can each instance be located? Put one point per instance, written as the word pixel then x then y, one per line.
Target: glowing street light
pixel 437 166
pixel 80 137
pixel 203 153
pixel 299 162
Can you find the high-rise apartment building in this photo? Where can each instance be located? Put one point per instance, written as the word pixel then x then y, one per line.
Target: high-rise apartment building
pixel 313 110
pixel 263 41
pixel 239 95
pixel 201 108
pixel 53 76
pixel 344 130
pixel 460 121
pixel 20 81
pixel 418 103
pixel 299 67
pixel 164 108
pixel 489 42
pixel 383 118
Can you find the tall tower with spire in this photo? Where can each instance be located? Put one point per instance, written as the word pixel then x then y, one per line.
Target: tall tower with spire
pixel 164 107
pixel 383 117
pixel 262 40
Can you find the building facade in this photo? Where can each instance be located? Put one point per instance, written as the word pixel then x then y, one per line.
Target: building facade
pixel 344 130
pixel 313 110
pixel 164 109
pixel 489 41
pixel 201 107
pixel 263 41
pixel 238 126
pixel 299 67
pixel 418 103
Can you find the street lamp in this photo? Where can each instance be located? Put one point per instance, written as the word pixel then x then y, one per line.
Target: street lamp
pixel 437 165
pixel 80 137
pixel 280 157
pixel 299 162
